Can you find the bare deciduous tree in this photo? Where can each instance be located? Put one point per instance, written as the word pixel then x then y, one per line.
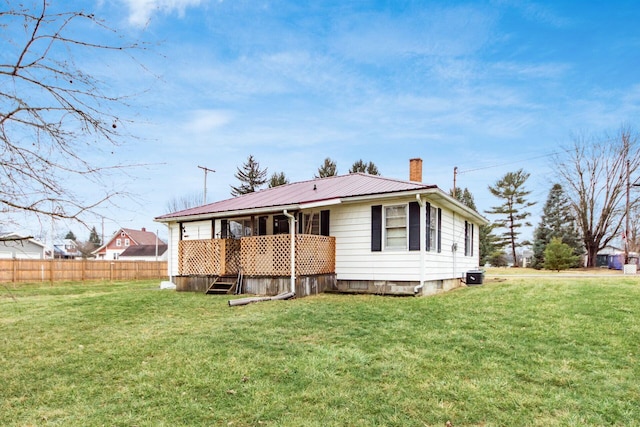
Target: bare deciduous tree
pixel 184 202
pixel 594 176
pixel 58 122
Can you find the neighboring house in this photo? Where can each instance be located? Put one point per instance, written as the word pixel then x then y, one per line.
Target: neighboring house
pixel 15 246
pixel 145 253
pixel 350 233
pixel 125 238
pixel 66 249
pixel 610 257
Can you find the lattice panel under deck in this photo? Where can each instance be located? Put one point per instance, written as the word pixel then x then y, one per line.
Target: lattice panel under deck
pixel 266 255
pixel 315 254
pixel 232 256
pixel 199 257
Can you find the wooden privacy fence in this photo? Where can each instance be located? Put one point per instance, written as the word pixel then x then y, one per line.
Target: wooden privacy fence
pixel 258 256
pixel 43 270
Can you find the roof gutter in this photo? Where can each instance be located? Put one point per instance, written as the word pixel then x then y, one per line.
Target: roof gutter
pixel 226 214
pixel 432 190
pixel 292 233
pixel 423 220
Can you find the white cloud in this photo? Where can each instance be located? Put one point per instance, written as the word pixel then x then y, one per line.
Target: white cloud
pixel 140 11
pixel 204 121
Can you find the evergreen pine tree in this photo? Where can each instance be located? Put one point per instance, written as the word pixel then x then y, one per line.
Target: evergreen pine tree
pixel 94 237
pixel 510 189
pixel 465 197
pixel 362 167
pixel 328 168
pixel 250 176
pixel 70 236
pixel 559 256
pixel 490 246
pixel 557 221
pixel 278 179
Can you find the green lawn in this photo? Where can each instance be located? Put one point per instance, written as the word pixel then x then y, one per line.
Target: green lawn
pixel 525 351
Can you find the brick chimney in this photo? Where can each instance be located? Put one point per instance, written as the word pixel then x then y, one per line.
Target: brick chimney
pixel 144 229
pixel 415 170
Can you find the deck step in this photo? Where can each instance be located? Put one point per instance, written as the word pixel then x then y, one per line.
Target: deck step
pixel 222 285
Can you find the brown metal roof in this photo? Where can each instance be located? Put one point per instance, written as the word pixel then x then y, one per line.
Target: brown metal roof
pixel 304 192
pixel 141 237
pixel 143 250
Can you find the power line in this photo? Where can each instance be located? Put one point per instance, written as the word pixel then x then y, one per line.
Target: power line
pixel 508 163
pixel 566 150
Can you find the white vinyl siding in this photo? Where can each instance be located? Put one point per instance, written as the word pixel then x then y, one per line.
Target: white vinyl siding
pixel 351 226
pixel 196 230
pixel 172 248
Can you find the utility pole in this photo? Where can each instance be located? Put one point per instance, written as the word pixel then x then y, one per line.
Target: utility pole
pixel 626 214
pixel 205 182
pixel 455 175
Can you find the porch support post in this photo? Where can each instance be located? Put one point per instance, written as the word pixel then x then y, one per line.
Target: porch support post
pixel 292 233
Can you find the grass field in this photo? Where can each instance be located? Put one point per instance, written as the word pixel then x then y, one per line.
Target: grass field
pixel 525 351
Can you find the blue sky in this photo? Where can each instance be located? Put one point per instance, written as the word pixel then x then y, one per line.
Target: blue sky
pixel 487 86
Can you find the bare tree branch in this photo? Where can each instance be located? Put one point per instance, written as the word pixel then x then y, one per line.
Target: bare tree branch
pixel 594 172
pixel 56 118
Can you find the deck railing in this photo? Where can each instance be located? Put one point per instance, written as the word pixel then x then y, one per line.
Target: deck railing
pixel 257 255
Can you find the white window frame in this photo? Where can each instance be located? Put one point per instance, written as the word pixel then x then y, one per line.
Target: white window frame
pixel 311 223
pixel 118 242
pixel 433 229
pixel 386 227
pixel 468 238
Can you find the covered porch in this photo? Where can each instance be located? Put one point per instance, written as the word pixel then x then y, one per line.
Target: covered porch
pixel 264 263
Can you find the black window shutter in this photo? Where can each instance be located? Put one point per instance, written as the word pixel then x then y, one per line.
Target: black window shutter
pixel 181 227
pixel 224 225
pixel 376 228
pixel 466 238
pixel 439 230
pixel 414 226
pixel 300 222
pixel 324 223
pixel 213 228
pixel 428 227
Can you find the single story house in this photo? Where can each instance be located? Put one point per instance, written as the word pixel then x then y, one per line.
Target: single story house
pixel 16 246
pixel 349 233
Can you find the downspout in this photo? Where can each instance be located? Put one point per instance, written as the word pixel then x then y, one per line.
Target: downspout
pixel 292 233
pixel 423 220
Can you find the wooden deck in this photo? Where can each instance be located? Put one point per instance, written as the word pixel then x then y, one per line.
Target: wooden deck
pixel 264 256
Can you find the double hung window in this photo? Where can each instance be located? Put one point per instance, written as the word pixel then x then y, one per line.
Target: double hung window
pixel 395 227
